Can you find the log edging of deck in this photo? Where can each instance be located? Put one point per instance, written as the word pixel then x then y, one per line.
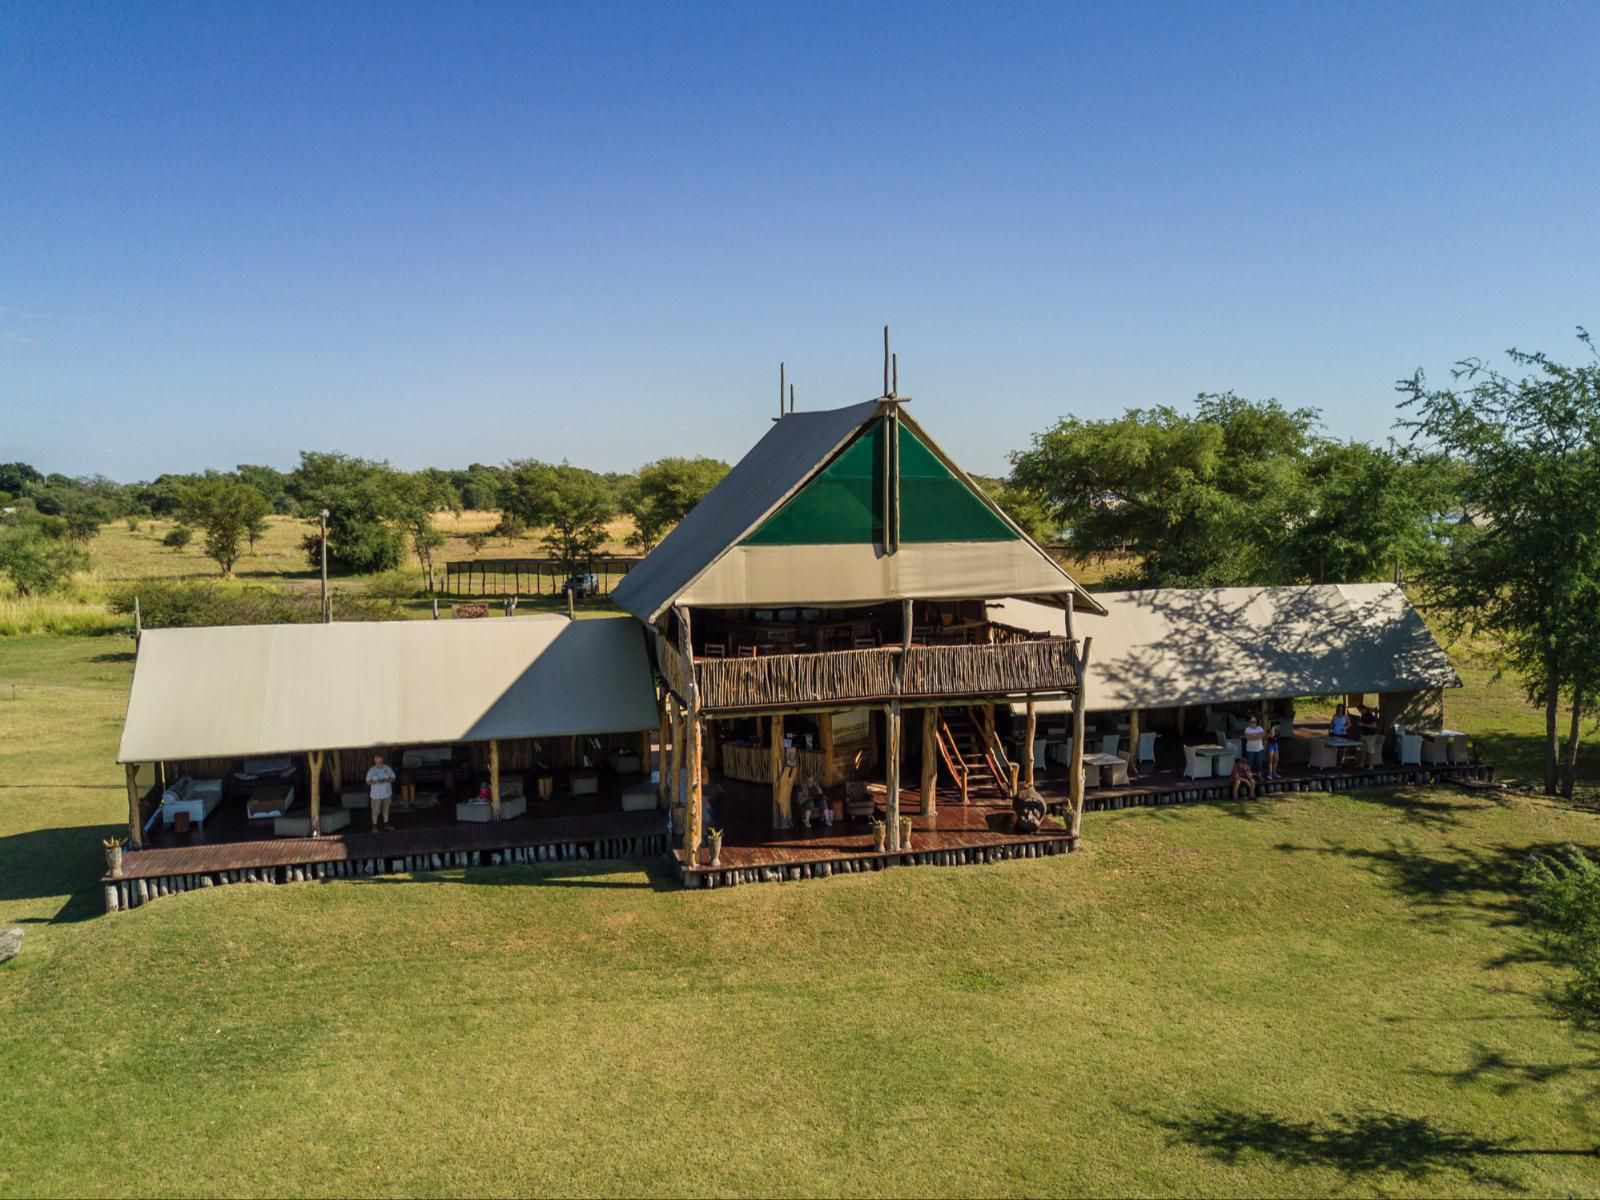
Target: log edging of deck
pixel 121 894
pixel 1211 791
pixel 855 864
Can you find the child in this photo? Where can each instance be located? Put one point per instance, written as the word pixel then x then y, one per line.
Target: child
pixel 1272 754
pixel 1244 779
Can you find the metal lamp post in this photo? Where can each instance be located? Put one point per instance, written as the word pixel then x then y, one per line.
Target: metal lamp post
pixel 327 613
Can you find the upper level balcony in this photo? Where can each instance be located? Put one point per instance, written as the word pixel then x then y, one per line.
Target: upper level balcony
pixel 798 658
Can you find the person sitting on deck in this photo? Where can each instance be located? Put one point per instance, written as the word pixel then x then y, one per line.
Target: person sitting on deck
pixel 814 802
pixel 1340 725
pixel 1273 752
pixel 485 796
pixel 1244 779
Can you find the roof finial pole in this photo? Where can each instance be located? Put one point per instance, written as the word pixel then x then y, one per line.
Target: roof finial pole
pixel 780 389
pixel 894 361
pixel 885 360
pixel 791 399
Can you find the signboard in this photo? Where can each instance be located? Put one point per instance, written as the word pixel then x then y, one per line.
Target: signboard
pixel 470 610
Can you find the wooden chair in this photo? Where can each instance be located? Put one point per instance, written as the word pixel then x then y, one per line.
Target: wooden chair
pixel 858 801
pixel 866 643
pixel 715 650
pixel 747 651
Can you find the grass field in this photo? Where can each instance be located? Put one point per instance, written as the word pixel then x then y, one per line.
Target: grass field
pixel 1316 995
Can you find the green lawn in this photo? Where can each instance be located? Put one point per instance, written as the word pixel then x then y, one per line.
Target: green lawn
pixel 1310 995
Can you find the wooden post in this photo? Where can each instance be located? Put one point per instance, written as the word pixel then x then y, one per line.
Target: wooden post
pixel 1030 730
pixel 1133 741
pixel 135 812
pixel 663 796
pixel 781 816
pixel 695 819
pixel 314 768
pixel 1075 759
pixel 930 763
pixel 830 771
pixel 336 769
pixel 892 806
pixel 675 791
pixel 494 779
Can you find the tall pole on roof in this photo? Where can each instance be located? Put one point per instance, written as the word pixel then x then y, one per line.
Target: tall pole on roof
pixel 791 399
pixel 885 360
pixel 894 380
pixel 780 390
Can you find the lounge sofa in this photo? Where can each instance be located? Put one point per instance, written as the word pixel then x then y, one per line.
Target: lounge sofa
pixel 482 812
pixel 330 820
pixel 196 797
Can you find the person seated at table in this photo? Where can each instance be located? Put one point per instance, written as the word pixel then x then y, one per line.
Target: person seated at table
pixel 1339 727
pixel 814 802
pixel 1244 779
pixel 1273 754
pixel 485 796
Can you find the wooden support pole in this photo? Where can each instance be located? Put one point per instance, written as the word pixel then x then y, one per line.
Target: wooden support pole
pixel 830 769
pixel 663 736
pixel 695 821
pixel 336 770
pixel 930 763
pixel 494 779
pixel 314 769
pixel 676 795
pixel 1133 741
pixel 1030 731
pixel 782 817
pixel 135 812
pixel 892 776
pixel 1075 759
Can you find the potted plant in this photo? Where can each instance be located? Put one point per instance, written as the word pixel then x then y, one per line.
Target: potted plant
pixel 905 833
pixel 716 847
pixel 880 834
pixel 113 847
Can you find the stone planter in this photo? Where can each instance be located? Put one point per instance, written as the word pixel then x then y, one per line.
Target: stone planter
pixel 716 850
pixel 114 859
pixel 905 833
pixel 880 837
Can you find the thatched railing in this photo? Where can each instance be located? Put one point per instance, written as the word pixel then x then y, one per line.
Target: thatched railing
pixel 779 680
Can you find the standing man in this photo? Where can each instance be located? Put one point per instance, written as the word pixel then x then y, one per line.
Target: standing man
pixel 380 788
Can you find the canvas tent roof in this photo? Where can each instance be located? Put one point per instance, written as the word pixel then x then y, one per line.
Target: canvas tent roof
pixel 1165 647
pixel 277 689
pixel 726 553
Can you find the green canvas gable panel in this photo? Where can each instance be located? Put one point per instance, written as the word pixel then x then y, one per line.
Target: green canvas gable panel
pixel 841 506
pixel 935 506
pixel 844 504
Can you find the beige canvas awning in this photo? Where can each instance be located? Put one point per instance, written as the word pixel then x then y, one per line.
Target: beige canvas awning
pixel 279 689
pixel 1171 646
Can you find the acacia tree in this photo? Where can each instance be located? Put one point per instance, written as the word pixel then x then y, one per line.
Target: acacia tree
pixel 226 511
pixel 37 555
pixel 1526 566
pixel 571 504
pixel 420 496
pixel 664 491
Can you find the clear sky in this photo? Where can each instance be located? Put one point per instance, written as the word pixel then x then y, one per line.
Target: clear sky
pixel 469 232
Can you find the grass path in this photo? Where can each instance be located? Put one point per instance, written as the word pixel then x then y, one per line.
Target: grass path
pixel 1317 995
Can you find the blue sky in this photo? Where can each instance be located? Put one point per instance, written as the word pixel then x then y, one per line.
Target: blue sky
pixel 452 233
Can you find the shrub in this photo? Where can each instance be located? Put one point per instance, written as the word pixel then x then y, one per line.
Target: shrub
pixel 392 587
pixel 178 603
pixel 178 537
pixel 37 557
pixel 133 524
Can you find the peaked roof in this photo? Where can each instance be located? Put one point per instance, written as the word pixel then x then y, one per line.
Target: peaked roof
pixel 728 552
pixel 250 690
pixel 1169 646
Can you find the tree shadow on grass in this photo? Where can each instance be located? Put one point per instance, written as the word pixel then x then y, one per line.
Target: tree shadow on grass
pixel 1506 1076
pixel 1358 1145
pixel 605 874
pixel 41 863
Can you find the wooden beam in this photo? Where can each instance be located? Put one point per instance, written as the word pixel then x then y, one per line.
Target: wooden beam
pixel 494 779
pixel 135 809
pixel 663 795
pixel 782 818
pixel 930 763
pixel 892 775
pixel 695 820
pixel 1030 731
pixel 314 768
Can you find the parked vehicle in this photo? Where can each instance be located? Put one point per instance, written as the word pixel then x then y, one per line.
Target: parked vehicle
pixel 582 585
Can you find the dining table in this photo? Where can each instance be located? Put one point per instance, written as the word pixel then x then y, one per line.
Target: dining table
pixel 1339 745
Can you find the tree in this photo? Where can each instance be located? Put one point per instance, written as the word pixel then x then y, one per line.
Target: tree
pixel 271 483
pixel 664 491
pixel 1566 905
pixel 19 478
pixel 364 500
pixel 1206 498
pixel 37 555
pixel 256 529
pixel 178 537
pixel 225 510
pixel 1526 569
pixel 420 496
pixel 572 506
pixel 84 514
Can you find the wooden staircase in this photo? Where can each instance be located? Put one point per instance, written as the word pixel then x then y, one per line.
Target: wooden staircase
pixel 969 758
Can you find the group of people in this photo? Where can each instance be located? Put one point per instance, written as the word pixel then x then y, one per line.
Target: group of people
pixel 1261 757
pixel 1365 726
